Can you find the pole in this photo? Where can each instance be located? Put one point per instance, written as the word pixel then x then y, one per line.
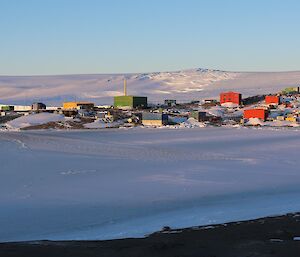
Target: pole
pixel 125 87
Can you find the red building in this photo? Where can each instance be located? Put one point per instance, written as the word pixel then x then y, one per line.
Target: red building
pixel 256 113
pixel 272 99
pixel 231 97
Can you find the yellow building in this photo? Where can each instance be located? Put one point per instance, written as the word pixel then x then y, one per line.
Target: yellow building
pixel 156 123
pixel 154 119
pixel 291 119
pixel 78 105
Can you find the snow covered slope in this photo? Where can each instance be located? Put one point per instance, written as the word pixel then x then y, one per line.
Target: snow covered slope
pixel 120 183
pixel 184 85
pixel 33 120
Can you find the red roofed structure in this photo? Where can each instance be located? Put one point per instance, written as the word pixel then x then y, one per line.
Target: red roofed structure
pixel 256 113
pixel 231 97
pixel 272 99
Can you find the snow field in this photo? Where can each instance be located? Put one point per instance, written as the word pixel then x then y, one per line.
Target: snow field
pixel 130 182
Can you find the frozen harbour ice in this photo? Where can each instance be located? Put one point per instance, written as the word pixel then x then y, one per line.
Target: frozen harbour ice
pixel 119 183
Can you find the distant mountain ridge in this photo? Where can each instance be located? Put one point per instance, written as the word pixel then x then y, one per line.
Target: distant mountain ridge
pixel 185 85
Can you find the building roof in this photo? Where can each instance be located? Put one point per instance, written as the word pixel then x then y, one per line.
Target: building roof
pixel 79 103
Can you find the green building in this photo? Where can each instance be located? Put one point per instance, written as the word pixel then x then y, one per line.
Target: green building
pixel 7 108
pixel 291 90
pixel 130 102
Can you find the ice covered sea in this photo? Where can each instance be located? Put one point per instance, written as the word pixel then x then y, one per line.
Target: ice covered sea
pixel 127 183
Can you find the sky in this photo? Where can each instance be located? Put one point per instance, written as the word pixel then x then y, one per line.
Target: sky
pixel 43 37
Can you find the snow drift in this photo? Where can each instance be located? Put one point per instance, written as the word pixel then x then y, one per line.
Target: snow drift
pixel 33 120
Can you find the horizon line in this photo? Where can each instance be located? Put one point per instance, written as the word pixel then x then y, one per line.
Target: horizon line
pixel 148 72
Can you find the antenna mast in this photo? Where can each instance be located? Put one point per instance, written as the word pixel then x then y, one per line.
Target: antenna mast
pixel 125 87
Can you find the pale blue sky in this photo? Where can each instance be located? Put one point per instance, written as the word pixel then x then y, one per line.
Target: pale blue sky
pixel 116 36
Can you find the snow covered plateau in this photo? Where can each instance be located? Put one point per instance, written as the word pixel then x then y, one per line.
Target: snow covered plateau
pixel 118 183
pixel 186 85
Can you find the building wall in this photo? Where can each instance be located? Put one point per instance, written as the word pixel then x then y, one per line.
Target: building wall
pixel 77 105
pixel 272 99
pixel 255 113
pixel 20 108
pixel 154 119
pixel 152 122
pixel 130 101
pixel 291 90
pixel 70 105
pixel 140 101
pixel 199 116
pixel 38 106
pixel 231 97
pixel 123 101
pixel 291 119
pixel 85 106
pixel 253 99
pixel 7 108
pixel 170 102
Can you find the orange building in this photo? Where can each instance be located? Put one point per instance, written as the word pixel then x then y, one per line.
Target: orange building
pixel 77 105
pixel 272 99
pixel 256 113
pixel 231 97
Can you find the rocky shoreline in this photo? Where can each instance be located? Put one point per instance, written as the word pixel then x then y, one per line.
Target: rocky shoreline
pixel 271 236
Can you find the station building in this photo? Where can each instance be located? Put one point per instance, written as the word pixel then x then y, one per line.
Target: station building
pixel 231 97
pixel 78 106
pixel 256 113
pixel 154 119
pixel 272 99
pixel 130 102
